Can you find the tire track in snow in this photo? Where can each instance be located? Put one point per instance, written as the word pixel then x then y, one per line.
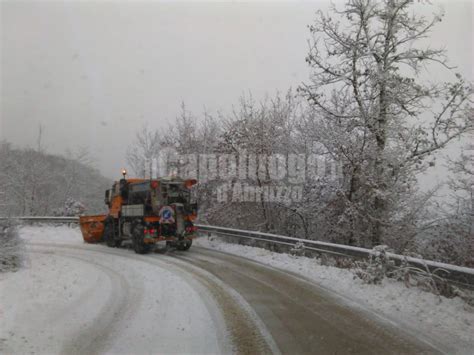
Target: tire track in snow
pixel 121 301
pixel 247 332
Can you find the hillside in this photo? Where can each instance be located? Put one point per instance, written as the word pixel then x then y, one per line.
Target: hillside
pixel 38 183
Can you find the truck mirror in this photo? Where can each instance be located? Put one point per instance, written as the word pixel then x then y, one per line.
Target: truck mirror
pixel 107 197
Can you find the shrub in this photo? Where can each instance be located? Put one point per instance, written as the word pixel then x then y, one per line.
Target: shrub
pixel 11 247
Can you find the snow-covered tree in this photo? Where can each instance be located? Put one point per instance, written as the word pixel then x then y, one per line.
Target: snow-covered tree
pixel 462 187
pixel 190 137
pixel 451 239
pixel 377 112
pixel 144 152
pixel 261 130
pixel 71 208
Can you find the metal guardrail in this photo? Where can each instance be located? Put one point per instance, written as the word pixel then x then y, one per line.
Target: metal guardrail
pixel 457 275
pixel 42 219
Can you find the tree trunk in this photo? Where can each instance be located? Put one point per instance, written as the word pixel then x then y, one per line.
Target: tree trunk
pixel 379 205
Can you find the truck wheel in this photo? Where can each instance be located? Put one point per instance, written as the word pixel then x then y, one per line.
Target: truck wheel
pixel 109 234
pixel 185 246
pixel 137 240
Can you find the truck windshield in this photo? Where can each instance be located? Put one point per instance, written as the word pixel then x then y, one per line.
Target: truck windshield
pixel 177 193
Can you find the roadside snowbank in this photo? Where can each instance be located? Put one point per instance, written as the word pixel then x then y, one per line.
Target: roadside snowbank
pixel 446 321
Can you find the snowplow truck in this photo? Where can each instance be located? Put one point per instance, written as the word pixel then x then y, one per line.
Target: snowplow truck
pixel 145 212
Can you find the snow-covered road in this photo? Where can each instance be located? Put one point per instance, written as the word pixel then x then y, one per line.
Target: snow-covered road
pixel 78 298
pixel 73 300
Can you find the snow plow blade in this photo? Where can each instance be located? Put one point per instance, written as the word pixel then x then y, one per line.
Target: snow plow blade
pixel 92 228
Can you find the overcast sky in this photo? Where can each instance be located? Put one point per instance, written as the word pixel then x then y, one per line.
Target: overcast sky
pixel 94 72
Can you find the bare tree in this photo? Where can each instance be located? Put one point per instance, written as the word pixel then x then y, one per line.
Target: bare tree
pixel 261 129
pixel 144 151
pixel 460 217
pixel 462 184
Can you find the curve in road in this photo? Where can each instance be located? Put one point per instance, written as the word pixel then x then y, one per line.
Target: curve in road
pixel 270 311
pixel 244 333
pixel 302 317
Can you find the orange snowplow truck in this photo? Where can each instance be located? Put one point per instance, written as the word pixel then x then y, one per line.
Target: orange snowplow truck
pixel 145 212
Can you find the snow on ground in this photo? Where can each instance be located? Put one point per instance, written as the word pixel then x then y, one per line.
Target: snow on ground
pixel 71 300
pixel 61 296
pixel 449 321
pixel 59 234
